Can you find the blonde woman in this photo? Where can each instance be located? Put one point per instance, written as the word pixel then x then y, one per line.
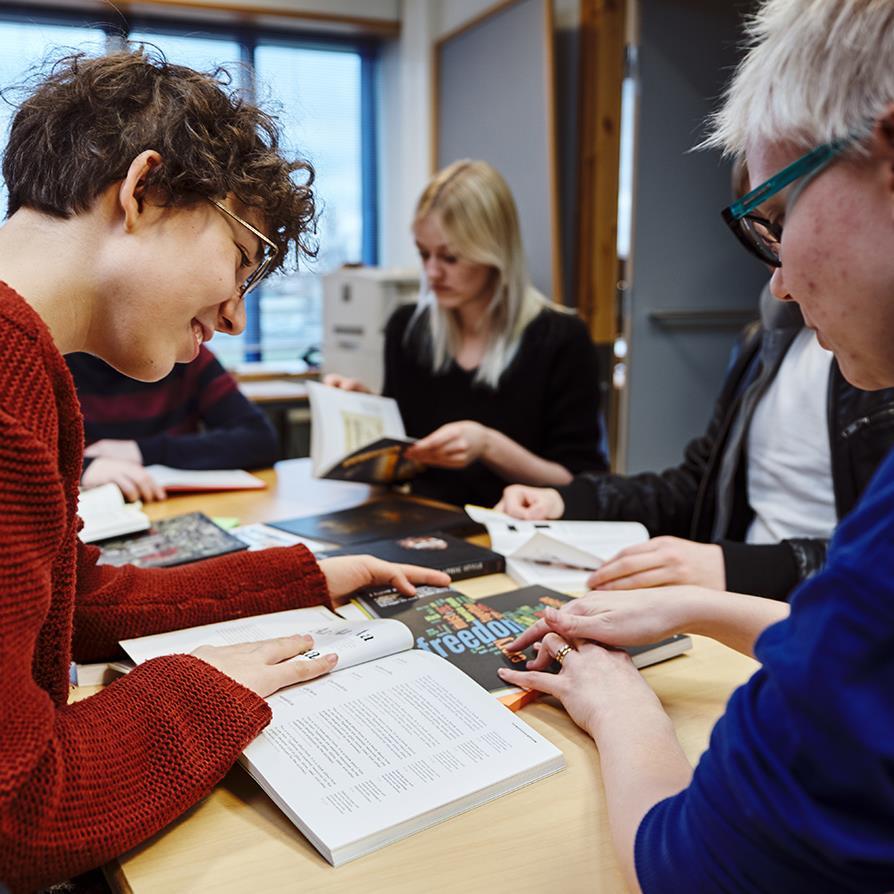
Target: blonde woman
pixel 498 384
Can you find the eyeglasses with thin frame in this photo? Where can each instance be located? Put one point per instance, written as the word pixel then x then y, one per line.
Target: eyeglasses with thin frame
pixel 270 251
pixel 760 235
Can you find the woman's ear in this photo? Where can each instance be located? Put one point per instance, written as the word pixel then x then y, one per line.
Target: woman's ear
pixel 133 187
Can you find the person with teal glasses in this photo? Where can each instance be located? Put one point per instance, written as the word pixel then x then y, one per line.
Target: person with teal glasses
pixel 796 790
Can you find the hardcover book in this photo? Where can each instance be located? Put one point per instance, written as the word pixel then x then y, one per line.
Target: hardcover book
pixel 393 741
pixel 391 517
pixel 443 552
pixel 171 541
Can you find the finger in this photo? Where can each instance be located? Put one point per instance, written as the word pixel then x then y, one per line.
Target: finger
pixel 128 488
pixel 425 576
pixel 552 642
pixel 282 648
pixel 548 683
pixel 617 568
pixel 648 547
pixel 533 634
pixel 655 577
pixel 288 673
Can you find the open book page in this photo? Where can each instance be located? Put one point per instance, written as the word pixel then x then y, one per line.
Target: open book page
pixel 105 514
pixel 357 437
pixel 558 554
pixel 353 641
pixel 204 479
pixel 365 756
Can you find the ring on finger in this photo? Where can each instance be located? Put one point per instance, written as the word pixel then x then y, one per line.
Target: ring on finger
pixel 560 655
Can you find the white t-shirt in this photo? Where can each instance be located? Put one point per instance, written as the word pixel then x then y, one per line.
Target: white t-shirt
pixel 789 459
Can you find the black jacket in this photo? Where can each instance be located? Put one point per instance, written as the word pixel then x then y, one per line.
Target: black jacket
pixel 683 501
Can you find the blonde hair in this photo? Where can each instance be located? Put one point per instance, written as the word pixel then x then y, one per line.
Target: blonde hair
pixel 814 71
pixel 475 208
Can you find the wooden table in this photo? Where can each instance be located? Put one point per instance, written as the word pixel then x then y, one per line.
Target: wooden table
pixel 550 836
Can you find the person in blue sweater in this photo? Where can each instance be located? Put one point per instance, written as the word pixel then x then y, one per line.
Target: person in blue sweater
pixel 796 790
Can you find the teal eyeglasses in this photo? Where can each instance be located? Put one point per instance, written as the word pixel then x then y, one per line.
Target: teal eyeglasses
pixel 760 235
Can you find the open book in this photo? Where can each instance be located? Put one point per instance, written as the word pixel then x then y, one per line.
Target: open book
pixel 175 480
pixel 557 554
pixel 393 741
pixel 357 437
pixel 105 514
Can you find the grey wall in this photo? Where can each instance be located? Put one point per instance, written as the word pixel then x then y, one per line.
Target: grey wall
pixel 684 258
pixel 492 105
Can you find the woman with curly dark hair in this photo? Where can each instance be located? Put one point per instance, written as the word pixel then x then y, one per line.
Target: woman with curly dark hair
pixel 145 201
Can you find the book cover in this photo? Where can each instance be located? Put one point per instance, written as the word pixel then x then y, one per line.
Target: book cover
pixel 443 552
pixel 390 517
pixel 380 462
pixel 171 541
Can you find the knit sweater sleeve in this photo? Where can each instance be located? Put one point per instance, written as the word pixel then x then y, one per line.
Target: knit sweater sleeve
pixel 84 782
pixel 118 603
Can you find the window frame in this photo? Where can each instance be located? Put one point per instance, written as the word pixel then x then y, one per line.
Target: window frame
pixel 119 24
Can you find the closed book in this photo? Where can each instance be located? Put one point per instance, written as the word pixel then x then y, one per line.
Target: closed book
pixel 171 541
pixel 443 552
pixel 390 517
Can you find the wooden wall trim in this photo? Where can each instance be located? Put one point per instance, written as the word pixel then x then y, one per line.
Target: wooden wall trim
pixel 245 13
pixel 602 73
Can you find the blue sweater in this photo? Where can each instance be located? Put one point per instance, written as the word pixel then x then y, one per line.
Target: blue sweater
pixel 796 791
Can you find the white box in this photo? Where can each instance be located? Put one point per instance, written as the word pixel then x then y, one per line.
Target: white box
pixel 357 302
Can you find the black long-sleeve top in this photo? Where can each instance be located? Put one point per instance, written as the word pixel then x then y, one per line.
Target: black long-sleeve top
pixel 194 418
pixel 547 400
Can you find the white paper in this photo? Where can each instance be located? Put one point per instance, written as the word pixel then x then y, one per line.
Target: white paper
pixel 261 536
pixel 555 545
pixel 105 514
pixel 361 758
pixel 346 421
pixel 204 479
pixel 353 641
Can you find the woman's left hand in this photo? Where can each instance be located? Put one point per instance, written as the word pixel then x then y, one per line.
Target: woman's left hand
pixel 347 574
pixel 594 684
pixel 452 446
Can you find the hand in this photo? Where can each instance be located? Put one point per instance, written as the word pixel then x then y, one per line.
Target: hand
pixel 452 446
pixel 112 449
pixel 264 666
pixel 628 618
pixel 347 574
pixel 132 479
pixel 594 684
pixel 334 380
pixel 531 503
pixel 661 562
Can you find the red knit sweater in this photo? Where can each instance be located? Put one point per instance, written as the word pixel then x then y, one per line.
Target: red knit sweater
pixel 84 782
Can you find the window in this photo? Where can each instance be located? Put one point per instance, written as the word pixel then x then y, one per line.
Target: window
pixel 322 91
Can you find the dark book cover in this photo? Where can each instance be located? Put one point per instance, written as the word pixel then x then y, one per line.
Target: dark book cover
pixel 389 518
pixel 443 552
pixel 171 541
pixel 381 462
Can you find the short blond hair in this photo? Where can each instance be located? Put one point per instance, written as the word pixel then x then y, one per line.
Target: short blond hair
pixel 814 71
pixel 474 206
